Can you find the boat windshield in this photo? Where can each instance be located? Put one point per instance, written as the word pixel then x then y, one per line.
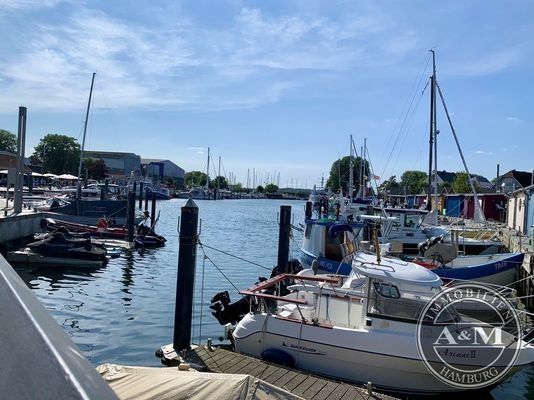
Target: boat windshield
pixel 386 300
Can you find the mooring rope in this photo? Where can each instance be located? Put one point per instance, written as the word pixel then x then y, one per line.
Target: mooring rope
pixel 233 255
pixel 216 267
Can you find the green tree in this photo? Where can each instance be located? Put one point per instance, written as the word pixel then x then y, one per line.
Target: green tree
pixel 96 169
pixel 271 188
pixel 460 184
pixel 219 182
pixel 340 173
pixel 195 178
pixel 388 184
pixel 60 154
pixel 414 181
pixel 259 189
pixel 8 141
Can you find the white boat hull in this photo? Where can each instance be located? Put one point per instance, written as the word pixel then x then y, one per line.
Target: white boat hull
pixel 379 355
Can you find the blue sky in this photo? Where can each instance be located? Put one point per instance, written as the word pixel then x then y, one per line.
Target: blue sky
pixel 275 86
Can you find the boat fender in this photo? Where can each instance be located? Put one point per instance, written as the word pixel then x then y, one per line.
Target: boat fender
pixel 278 357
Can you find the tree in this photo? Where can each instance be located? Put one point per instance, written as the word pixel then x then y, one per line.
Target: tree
pixel 59 154
pixel 8 141
pixel 460 184
pixel 340 173
pixel 259 189
pixel 414 181
pixel 271 188
pixel 389 183
pixel 195 178
pixel 219 182
pixel 96 169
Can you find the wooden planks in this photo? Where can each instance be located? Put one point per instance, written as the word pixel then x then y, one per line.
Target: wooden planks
pixel 307 386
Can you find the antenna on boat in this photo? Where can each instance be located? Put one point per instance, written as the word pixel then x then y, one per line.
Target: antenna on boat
pixel 79 186
pixel 376 244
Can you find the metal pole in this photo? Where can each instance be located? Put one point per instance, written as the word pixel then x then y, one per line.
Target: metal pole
pixel 283 238
pixel 79 186
pixel 185 281
pixel 19 178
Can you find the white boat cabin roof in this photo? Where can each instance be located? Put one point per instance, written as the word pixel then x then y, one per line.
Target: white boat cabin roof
pixel 394 270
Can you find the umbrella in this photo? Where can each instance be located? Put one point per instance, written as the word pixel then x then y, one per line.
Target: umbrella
pixel 67 176
pixel 36 174
pixel 49 175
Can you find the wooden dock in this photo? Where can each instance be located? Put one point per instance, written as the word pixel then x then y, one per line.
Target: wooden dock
pixel 307 386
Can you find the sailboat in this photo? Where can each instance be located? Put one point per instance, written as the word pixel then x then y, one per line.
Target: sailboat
pixel 88 211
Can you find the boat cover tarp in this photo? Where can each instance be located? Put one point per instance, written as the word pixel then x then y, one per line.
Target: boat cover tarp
pixel 130 382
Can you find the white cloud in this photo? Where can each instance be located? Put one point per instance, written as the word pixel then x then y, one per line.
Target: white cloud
pixel 483 152
pixel 197 150
pixel 9 6
pixel 514 119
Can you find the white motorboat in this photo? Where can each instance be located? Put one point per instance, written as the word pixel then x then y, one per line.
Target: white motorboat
pixel 361 328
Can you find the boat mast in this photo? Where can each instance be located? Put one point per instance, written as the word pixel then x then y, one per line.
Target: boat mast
pixel 79 185
pixel 432 125
pixel 219 177
pixel 435 81
pixel 351 174
pixel 208 171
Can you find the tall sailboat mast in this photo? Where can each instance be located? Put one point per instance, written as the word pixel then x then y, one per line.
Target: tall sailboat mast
pixel 79 183
pixel 351 174
pixel 208 171
pixel 431 141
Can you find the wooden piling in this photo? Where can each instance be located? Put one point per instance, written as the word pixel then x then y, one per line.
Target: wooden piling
pixel 141 188
pixel 153 211
pixel 131 216
pixel 185 282
pixel 283 238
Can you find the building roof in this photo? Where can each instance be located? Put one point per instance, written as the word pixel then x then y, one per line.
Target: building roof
pixel 446 176
pixel 109 153
pixel 524 178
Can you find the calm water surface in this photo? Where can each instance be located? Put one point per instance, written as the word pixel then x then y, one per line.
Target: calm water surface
pixel 123 312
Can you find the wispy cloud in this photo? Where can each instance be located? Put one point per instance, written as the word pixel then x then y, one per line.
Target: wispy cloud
pixel 488 62
pixel 483 152
pixel 255 60
pixel 197 150
pixel 514 119
pixel 9 6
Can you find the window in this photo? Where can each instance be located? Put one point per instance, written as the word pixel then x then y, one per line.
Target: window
pixel 387 290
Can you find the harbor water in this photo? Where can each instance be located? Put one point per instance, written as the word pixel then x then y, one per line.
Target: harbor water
pixel 123 312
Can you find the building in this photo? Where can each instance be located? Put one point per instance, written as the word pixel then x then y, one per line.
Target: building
pixel 120 165
pixel 444 177
pixel 514 180
pixel 162 170
pixel 521 210
pixel 462 205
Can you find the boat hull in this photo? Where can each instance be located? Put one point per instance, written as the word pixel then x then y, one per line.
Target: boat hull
pixel 342 353
pixel 496 269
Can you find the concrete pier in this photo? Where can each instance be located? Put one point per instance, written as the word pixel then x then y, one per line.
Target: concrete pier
pixel 14 225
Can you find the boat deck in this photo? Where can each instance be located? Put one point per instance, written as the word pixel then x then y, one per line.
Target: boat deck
pixel 307 386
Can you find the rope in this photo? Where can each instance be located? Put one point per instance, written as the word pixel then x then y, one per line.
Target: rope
pixel 216 267
pixel 232 255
